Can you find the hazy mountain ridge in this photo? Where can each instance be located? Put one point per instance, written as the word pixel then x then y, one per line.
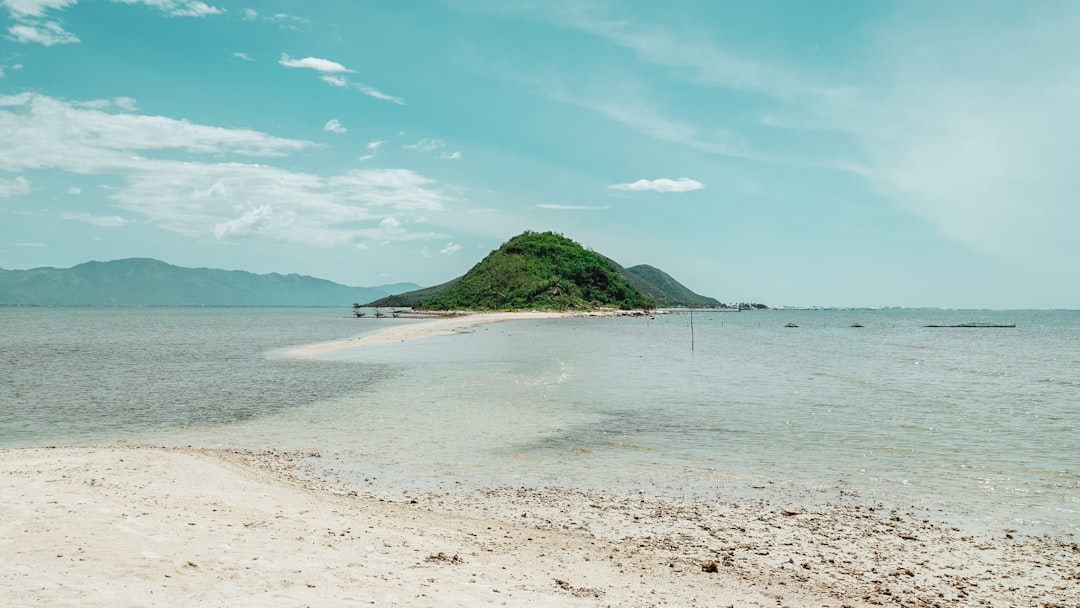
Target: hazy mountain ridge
pixel 150 282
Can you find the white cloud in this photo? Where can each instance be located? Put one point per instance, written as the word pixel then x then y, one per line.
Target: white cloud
pixel 88 139
pixel 426 145
pixel 14 187
pixel 377 94
pixel 450 249
pixel 335 81
pixel 244 56
pixel 571 207
pixel 74 191
pixel 47 33
pixel 106 221
pixel 456 155
pixel 332 73
pixel 32 23
pixel 314 63
pixel 250 14
pixel 22 9
pixel 373 149
pixel 663 184
pixel 255 219
pixel 215 198
pixel 334 126
pixel 190 9
pixel 126 103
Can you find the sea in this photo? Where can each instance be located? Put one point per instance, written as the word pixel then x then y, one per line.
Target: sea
pixel 976 424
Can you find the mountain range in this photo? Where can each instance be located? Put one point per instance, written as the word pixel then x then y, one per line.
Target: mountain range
pixel 150 282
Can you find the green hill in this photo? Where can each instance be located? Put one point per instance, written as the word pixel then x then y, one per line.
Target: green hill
pixel 652 283
pixel 539 270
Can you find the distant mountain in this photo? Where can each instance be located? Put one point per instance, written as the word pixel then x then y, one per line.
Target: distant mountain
pixel 669 291
pixel 149 282
pixel 545 270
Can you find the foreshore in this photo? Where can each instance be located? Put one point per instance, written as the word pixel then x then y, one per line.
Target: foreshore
pixel 109 526
pixel 441 325
pixel 419 329
pixel 155 526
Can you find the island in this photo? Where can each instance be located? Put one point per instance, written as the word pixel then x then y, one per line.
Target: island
pixel 548 271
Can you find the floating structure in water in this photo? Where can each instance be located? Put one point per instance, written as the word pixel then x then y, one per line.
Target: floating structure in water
pixel 980 325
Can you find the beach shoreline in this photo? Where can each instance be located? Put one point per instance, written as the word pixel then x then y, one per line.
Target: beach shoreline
pixel 103 526
pixel 442 324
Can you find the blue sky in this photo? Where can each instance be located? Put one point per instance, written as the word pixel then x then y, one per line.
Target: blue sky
pixel 793 153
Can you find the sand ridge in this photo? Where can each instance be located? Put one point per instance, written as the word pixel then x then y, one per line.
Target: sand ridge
pixel 421 329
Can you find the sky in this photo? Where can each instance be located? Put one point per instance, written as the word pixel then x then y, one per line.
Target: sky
pixel 811 153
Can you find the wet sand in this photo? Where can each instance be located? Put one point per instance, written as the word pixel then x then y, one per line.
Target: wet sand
pixel 113 526
pixel 420 329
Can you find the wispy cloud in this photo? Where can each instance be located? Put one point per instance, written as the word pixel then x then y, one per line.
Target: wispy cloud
pixel 244 56
pixel 213 200
pixel 426 145
pixel 432 144
pixel 937 118
pixel 373 149
pixel 557 207
pixel 450 249
pixel 377 94
pixel 14 187
pixel 186 9
pixel 334 126
pixel 102 221
pixel 47 33
pixel 333 74
pixel 976 141
pixel 663 184
pixel 318 64
pixel 32 22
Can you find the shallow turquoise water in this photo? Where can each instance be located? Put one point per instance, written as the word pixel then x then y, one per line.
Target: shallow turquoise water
pixel 975 422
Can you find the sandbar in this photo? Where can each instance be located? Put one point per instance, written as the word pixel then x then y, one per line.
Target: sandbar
pixel 421 329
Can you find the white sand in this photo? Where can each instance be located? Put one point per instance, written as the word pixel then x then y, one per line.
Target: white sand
pixel 122 526
pixel 421 329
pixel 153 527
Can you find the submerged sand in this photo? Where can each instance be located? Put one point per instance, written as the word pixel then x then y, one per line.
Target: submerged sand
pixel 125 526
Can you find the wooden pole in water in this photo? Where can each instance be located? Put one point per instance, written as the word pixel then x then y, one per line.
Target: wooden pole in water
pixel 691 329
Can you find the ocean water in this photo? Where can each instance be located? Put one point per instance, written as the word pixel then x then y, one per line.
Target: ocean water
pixel 979 424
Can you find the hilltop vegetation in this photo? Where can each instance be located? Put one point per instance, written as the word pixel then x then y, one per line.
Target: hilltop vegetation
pixel 539 270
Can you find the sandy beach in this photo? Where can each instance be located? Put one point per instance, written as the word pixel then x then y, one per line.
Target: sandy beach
pixel 145 526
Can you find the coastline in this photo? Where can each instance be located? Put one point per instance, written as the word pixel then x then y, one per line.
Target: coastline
pixel 442 325
pixel 104 526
